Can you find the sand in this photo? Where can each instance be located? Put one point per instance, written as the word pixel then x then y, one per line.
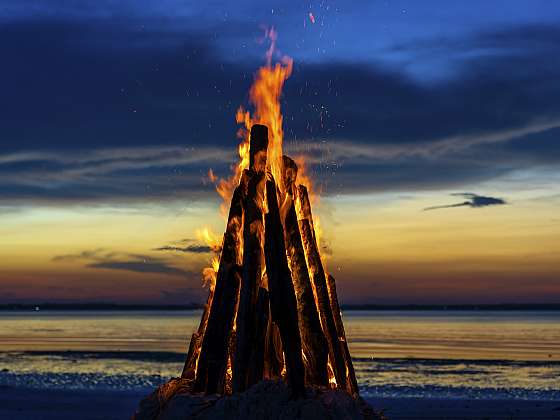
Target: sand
pixel 29 404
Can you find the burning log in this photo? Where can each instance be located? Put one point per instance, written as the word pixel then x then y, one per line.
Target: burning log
pixel 189 369
pixel 257 148
pixel 283 302
pixel 212 364
pixel 313 339
pixel 352 383
pixel 256 368
pixel 274 354
pixel 272 309
pixel 253 259
pixel 317 274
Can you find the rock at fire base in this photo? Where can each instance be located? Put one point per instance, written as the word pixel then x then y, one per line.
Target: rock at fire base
pixel 264 400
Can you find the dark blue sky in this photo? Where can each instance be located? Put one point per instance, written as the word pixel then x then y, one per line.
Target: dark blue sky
pixel 81 77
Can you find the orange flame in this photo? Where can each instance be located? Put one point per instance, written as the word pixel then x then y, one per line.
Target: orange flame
pixel 264 95
pixel 213 241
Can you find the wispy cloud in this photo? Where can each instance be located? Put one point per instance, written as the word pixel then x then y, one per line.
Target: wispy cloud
pixel 195 249
pixel 138 263
pixel 473 200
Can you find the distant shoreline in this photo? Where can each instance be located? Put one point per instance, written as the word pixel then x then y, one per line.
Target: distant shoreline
pixel 361 307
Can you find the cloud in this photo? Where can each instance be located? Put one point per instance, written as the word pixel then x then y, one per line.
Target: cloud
pixel 98 253
pixel 474 201
pixel 108 173
pixel 137 263
pixel 144 117
pixel 195 249
pixel 140 266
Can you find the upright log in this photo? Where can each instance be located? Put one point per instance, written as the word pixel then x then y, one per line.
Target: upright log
pixel 256 367
pixel 212 364
pixel 190 367
pixel 314 343
pixel 351 383
pixel 258 144
pixel 283 302
pixel 317 274
pixel 253 258
pixel 274 351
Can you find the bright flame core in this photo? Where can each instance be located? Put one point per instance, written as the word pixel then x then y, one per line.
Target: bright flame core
pixel 264 95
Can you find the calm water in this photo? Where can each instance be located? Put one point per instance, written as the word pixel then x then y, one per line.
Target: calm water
pixel 444 354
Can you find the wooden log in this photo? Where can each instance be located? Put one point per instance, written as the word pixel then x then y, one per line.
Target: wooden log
pixel 289 173
pixel 314 344
pixel 190 367
pixel 225 383
pixel 351 383
pixel 274 356
pixel 258 145
pixel 305 206
pixel 212 363
pixel 317 274
pixel 256 367
pixel 283 303
pixel 253 267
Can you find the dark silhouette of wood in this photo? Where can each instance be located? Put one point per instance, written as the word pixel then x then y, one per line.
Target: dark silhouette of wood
pixel 258 145
pixel 253 258
pixel 313 340
pixel 317 274
pixel 351 383
pixel 256 367
pixel 274 351
pixel 189 369
pixel 212 363
pixel 283 303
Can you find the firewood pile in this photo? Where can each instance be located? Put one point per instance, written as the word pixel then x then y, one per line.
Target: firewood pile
pixel 272 319
pixel 273 312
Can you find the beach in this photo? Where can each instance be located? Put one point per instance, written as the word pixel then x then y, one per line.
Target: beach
pixel 452 365
pixel 43 404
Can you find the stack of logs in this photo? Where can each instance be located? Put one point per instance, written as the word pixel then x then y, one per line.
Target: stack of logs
pixel 273 312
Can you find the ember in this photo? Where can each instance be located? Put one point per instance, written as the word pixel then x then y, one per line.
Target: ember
pixel 272 311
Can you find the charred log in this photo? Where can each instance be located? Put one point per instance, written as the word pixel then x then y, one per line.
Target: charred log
pixel 351 383
pixel 257 147
pixel 256 368
pixel 253 267
pixel 317 274
pixel 283 303
pixel 213 360
pixel 312 337
pixel 212 363
pixel 190 367
pixel 274 354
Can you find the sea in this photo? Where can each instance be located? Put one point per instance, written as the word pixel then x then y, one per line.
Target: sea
pixel 419 354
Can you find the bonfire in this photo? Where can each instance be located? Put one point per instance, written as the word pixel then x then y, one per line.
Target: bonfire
pixel 272 312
